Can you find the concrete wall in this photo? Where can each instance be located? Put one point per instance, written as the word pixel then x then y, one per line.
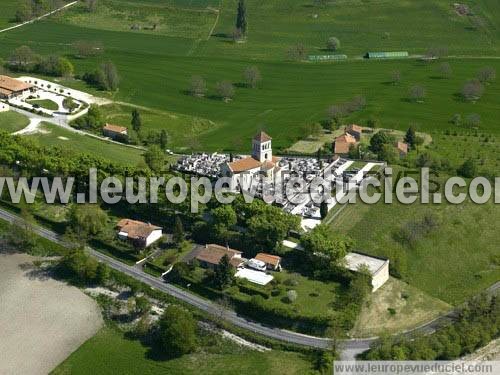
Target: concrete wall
pixel 153 237
pixel 380 277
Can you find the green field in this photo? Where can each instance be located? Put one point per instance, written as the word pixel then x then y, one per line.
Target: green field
pixel 9 8
pixel 12 121
pixel 156 68
pixel 361 26
pixel 45 103
pixel 110 353
pixel 155 18
pixel 53 135
pixel 455 261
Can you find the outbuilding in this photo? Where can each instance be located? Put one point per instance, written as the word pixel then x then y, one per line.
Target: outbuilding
pixel 378 267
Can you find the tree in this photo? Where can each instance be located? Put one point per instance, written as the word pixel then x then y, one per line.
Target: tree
pixel 315 130
pixel 24 12
pixel 163 140
pixel 417 93
pixel 252 76
pixel 142 305
pixel 241 17
pixel 224 215
pixel 395 77
pixel 64 67
pixel 86 48
pixel 155 158
pixel 487 75
pixel 91 5
pixel 410 136
pixel 136 121
pixel 467 169
pixel 321 243
pixel 177 331
pixel 197 86
pixel 333 44
pixel 323 209
pixel 297 52
pixel 224 273
pixel 225 90
pixel 380 139
pixel 456 119
pixel 110 75
pixel 445 70
pixel 85 221
pixel 23 59
pixel 93 120
pixel 291 296
pixel 472 90
pixel 102 273
pixel 473 120
pixel 79 266
pixel 335 113
pixel 178 235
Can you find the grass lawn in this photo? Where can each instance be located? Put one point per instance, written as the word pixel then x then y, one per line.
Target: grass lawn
pixel 360 25
pixel 52 135
pixel 182 129
pixel 154 18
pixel 108 352
pixel 452 262
pixel 155 72
pixel 411 308
pixel 12 121
pixel 9 8
pixel 45 103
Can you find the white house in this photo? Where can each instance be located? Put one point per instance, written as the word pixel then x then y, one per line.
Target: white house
pixel 378 268
pixel 141 234
pixel 262 163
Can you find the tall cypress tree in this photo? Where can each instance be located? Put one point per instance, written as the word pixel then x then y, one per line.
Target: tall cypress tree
pixel 241 18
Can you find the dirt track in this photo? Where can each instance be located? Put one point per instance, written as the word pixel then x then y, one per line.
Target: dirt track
pixel 42 320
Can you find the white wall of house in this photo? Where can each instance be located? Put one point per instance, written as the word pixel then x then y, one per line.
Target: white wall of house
pixel 153 237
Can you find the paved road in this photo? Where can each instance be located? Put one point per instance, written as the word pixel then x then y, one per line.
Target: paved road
pixel 350 347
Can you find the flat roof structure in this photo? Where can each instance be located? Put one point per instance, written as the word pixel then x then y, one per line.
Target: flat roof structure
pixel 256 277
pixel 355 260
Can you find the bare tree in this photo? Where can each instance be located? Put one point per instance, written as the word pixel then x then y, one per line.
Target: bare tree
pixel 472 90
pixel 487 75
pixel 473 120
pixel 91 5
pixel 444 70
pixel 335 113
pixel 417 93
pixel 395 78
pixel 225 90
pixel 197 86
pixel 252 76
pixel 297 52
pixel 436 52
pixel 87 48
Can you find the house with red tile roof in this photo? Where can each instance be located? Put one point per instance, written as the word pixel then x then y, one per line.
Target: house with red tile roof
pixel 141 234
pixel 343 144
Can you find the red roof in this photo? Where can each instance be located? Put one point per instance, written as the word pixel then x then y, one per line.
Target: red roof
pixel 115 128
pixel 262 137
pixel 268 258
pixel 343 143
pixel 136 229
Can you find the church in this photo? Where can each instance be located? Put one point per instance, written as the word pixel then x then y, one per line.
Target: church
pixel 262 164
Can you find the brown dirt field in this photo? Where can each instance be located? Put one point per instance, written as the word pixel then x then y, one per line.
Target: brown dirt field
pixel 42 320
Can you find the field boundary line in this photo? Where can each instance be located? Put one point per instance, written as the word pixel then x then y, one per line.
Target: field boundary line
pixel 40 17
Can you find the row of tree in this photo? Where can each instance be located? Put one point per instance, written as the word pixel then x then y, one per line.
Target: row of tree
pixel 23 59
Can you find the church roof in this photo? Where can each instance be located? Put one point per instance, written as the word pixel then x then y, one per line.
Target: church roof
pixel 262 137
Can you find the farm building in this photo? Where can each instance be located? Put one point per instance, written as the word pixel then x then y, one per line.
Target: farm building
pixel 355 130
pixel 272 262
pixel 209 256
pixel 378 267
pixel 261 162
pixel 386 55
pixel 115 132
pixel 11 87
pixel 141 234
pixel 343 144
